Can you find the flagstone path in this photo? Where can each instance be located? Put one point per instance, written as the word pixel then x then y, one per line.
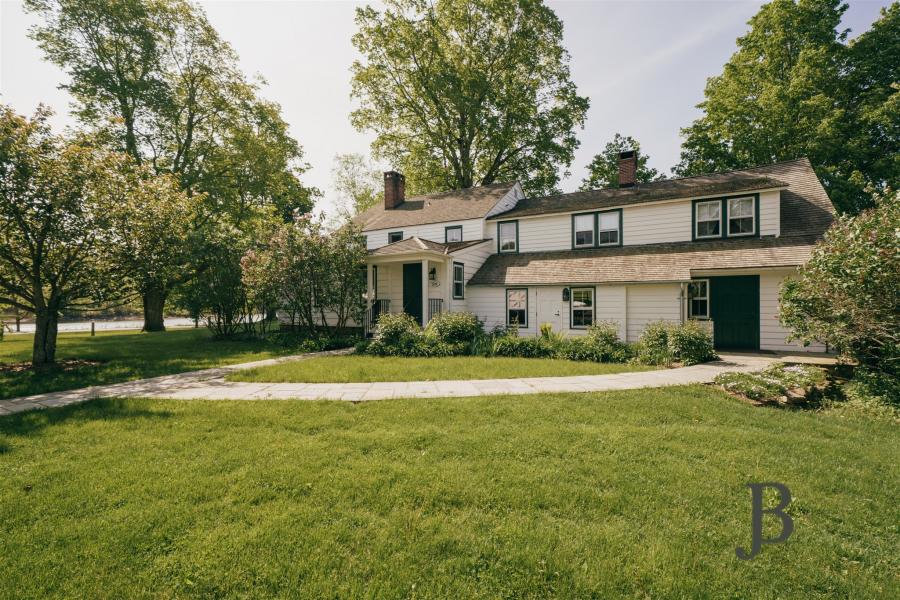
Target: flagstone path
pixel 210 384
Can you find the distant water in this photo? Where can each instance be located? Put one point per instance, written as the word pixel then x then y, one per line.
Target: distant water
pixel 106 325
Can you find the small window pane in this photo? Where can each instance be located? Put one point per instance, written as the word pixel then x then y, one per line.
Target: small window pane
pixel 708 219
pixel 582 307
pixel 584 230
pixel 508 237
pixel 608 237
pixel 458 280
pixel 454 234
pixel 395 237
pixel 516 307
pixel 609 220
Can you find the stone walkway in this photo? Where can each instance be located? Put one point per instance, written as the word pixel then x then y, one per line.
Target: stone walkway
pixel 210 384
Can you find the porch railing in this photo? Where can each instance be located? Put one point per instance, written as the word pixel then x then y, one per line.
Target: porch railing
pixel 435 307
pixel 378 308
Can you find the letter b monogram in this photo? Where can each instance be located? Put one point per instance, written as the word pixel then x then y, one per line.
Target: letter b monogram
pixel 787 524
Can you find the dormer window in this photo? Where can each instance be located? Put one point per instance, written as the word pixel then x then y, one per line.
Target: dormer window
pixel 583 230
pixel 741 216
pixel 708 217
pixel 591 230
pixel 608 228
pixel 508 236
pixel 453 233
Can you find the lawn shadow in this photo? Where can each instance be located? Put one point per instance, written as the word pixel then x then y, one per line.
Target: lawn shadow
pixel 102 409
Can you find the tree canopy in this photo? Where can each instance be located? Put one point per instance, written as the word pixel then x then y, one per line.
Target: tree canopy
pixel 793 89
pixel 57 236
pixel 462 93
pixel 359 185
pixel 162 86
pixel 603 172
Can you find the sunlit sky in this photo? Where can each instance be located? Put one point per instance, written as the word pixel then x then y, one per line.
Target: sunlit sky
pixel 643 64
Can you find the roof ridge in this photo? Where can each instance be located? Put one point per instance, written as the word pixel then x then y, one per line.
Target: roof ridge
pixel 474 187
pixel 669 179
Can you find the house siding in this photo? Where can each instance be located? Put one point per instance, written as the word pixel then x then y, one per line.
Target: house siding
pixel 772 336
pixel 770 213
pixel 646 303
pixel 553 232
pixel 472 259
pixel 656 223
pixel 473 229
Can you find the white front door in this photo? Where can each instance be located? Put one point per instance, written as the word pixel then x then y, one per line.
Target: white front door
pixel 550 308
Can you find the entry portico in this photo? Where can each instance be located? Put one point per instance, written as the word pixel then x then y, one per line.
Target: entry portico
pixel 413 276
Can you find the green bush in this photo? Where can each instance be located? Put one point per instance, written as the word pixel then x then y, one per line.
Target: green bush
pixel 691 344
pixel 455 328
pixel 523 347
pixel 653 345
pixel 663 343
pixel 601 344
pixel 397 334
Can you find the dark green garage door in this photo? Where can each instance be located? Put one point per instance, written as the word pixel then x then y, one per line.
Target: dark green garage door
pixel 734 309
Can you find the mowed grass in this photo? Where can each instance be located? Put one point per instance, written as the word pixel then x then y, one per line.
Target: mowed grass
pixel 361 368
pixel 122 356
pixel 638 493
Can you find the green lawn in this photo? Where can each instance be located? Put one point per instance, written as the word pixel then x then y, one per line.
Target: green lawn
pixel 345 369
pixel 122 356
pixel 638 493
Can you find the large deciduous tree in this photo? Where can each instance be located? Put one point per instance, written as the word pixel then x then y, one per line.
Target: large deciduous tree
pixel 359 185
pixel 166 89
pixel 467 92
pixel 603 172
pixel 793 89
pixel 57 237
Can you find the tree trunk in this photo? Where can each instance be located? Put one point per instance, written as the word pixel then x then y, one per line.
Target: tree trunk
pixel 154 306
pixel 45 328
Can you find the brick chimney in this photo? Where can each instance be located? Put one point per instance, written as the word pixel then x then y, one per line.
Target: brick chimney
pixel 394 189
pixel 627 168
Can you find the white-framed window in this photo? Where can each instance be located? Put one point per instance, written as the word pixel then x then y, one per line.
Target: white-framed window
pixel 741 216
pixel 459 276
pixel 508 232
pixel 582 307
pixel 698 299
pixel 395 236
pixel 517 307
pixel 608 228
pixel 708 217
pixel 583 231
pixel 453 233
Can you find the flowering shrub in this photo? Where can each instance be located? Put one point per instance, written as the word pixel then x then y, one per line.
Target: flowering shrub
pixel 773 382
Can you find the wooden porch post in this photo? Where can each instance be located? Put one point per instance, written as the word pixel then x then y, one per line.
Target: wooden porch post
pixel 424 291
pixel 370 293
pixel 448 284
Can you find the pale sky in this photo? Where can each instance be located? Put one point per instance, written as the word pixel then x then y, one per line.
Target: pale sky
pixel 642 63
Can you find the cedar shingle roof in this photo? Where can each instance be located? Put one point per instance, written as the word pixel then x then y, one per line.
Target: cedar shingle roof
pixel 807 195
pixel 416 244
pixel 455 205
pixel 806 212
pixel 650 262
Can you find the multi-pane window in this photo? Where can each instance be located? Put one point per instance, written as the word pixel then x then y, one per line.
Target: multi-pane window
pixel 453 234
pixel 583 226
pixel 509 236
pixel 582 307
pixel 517 307
pixel 698 296
pixel 395 236
pixel 459 274
pixel 709 219
pixel 608 229
pixel 741 216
